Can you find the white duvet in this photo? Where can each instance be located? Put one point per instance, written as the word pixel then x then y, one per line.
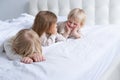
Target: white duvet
pixel 87 58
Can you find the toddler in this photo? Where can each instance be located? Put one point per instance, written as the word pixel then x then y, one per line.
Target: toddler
pixel 71 27
pixel 45 26
pixel 25 45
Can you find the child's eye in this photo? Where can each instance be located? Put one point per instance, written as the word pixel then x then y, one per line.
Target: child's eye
pixel 75 24
pixel 70 22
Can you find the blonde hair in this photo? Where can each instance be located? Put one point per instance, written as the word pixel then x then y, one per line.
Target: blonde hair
pixel 43 21
pixel 78 15
pixel 26 42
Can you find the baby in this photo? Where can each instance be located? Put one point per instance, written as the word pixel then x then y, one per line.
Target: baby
pixel 71 27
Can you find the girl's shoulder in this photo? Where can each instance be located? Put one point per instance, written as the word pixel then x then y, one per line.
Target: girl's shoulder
pixel 61 23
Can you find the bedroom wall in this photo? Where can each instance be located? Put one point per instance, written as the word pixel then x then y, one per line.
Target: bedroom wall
pixel 12 8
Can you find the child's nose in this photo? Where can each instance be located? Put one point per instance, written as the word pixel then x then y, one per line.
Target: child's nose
pixel 71 24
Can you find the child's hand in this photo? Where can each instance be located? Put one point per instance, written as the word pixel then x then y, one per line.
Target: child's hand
pixel 37 57
pixel 27 60
pixel 75 33
pixel 68 29
pixel 76 28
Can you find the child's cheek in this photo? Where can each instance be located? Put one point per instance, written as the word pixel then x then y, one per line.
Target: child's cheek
pixel 55 30
pixel 68 23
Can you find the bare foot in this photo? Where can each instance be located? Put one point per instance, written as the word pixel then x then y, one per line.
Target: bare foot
pixel 27 60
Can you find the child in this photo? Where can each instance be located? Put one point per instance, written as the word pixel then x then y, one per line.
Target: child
pixel 71 27
pixel 45 26
pixel 24 46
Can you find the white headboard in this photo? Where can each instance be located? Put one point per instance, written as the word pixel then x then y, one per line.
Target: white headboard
pixel 98 11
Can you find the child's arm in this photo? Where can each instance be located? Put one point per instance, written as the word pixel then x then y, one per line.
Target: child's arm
pixel 60 37
pixel 11 54
pixel 67 31
pixel 45 41
pixel 75 33
pixel 66 34
pixel 63 29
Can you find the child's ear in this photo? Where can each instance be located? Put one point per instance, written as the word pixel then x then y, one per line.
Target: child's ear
pixel 81 24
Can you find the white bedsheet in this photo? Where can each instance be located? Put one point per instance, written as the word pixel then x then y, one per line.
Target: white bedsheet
pixel 87 58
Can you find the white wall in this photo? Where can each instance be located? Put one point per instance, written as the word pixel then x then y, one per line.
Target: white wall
pixel 12 8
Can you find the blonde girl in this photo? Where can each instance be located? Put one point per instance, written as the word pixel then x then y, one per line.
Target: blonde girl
pixel 45 26
pixel 24 46
pixel 75 21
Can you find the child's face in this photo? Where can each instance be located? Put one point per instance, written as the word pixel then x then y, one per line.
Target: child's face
pixel 53 29
pixel 72 23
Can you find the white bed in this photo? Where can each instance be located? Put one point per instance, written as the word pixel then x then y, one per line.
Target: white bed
pixel 96 56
